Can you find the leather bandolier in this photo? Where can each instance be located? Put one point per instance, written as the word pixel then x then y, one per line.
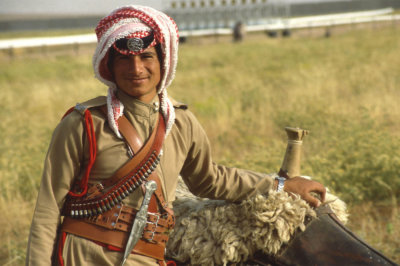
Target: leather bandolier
pixel 100 215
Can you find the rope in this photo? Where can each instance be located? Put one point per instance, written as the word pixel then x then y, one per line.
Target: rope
pixel 92 155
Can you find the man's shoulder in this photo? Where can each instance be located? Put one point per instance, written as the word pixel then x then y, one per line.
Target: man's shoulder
pixel 184 118
pixel 92 103
pixel 182 113
pixel 75 113
pixel 178 105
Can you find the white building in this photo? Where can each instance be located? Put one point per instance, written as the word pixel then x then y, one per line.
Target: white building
pixel 211 14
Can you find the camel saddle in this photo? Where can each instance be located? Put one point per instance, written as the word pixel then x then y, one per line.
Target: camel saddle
pixel 326 241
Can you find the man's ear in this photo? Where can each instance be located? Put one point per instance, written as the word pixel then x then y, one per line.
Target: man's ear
pixel 105 69
pixel 110 56
pixel 161 77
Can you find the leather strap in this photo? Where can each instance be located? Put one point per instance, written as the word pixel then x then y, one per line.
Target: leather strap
pixel 129 132
pixel 121 218
pixel 112 227
pixel 159 195
pixel 115 238
pixel 132 137
pixel 132 172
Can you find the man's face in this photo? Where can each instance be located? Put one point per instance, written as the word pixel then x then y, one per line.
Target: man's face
pixel 137 75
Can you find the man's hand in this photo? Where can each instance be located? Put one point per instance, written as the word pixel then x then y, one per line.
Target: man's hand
pixel 304 187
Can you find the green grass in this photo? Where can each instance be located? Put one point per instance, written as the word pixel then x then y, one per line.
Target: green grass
pixel 344 89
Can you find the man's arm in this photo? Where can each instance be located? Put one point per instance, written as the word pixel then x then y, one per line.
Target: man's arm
pixel 205 178
pixel 62 164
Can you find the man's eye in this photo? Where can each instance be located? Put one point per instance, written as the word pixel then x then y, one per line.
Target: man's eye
pixel 147 56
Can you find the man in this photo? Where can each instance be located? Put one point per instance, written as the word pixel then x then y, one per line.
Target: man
pixel 104 151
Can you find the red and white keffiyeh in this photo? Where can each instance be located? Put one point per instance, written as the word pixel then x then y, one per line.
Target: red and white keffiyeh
pixel 135 20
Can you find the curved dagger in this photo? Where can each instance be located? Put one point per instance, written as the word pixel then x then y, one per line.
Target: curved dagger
pixel 140 220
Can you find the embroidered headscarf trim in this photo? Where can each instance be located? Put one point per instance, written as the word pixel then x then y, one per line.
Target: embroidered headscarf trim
pixel 128 21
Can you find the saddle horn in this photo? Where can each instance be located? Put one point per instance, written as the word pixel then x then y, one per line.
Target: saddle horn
pixel 291 162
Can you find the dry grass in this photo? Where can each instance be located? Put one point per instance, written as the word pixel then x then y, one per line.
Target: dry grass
pixel 344 89
pixel 378 225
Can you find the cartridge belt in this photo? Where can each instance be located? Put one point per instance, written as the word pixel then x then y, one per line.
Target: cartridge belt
pixel 112 228
pixel 104 196
pixel 100 215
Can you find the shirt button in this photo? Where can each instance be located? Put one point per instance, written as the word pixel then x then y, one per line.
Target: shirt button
pixel 156 106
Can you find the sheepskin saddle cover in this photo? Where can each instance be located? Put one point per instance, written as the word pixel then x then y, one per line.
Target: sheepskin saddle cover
pixel 216 232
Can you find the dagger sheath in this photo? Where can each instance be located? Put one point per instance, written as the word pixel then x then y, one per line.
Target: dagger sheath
pixel 140 220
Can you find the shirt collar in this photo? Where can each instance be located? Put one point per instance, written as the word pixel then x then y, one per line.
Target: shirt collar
pixel 138 107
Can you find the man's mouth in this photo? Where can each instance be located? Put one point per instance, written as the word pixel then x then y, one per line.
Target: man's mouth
pixel 137 79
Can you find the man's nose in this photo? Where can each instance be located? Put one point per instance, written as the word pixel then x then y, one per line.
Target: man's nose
pixel 135 65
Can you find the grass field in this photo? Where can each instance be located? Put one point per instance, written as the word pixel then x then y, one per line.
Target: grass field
pixel 344 89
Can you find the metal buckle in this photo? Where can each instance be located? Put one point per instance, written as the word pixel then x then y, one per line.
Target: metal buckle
pixel 156 215
pixel 155 227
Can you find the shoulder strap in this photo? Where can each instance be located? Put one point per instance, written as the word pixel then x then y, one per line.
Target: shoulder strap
pixel 129 177
pixel 128 132
pixel 132 137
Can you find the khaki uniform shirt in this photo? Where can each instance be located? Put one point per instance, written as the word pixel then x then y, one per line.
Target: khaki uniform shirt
pixel 186 152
